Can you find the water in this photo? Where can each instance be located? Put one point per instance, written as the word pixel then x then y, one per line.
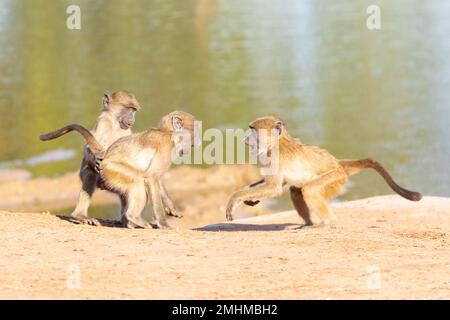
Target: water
pixel 355 92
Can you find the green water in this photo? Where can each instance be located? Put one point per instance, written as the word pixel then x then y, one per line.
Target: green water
pixel 355 92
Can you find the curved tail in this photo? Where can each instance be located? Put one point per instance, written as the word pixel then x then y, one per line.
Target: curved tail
pixel 354 166
pixel 92 143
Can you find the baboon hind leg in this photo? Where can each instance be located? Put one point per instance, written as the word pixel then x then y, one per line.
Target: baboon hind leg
pixel 88 186
pixel 317 193
pixel 133 204
pixel 300 205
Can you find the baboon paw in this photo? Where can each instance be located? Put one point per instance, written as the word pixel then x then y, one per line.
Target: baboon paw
pixel 174 213
pixel 177 214
pixel 97 166
pixel 318 225
pixel 251 203
pixel 130 225
pixel 85 220
pixel 92 222
pixel 137 224
pixel 306 226
pixel 231 205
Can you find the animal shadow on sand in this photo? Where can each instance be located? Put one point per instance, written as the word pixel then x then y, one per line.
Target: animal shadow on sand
pixel 102 222
pixel 249 227
pixel 211 228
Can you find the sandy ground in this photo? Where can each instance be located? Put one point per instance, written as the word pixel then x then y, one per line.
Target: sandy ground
pixel 382 247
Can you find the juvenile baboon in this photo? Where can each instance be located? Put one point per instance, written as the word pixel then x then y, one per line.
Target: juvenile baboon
pixel 133 165
pixel 114 122
pixel 312 174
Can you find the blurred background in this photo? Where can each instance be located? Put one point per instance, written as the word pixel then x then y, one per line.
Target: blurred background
pixel 356 92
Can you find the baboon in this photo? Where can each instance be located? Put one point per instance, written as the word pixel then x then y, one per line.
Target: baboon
pixel 312 175
pixel 133 165
pixel 114 122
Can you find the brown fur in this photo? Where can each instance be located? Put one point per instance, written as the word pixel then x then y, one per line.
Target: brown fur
pixel 313 175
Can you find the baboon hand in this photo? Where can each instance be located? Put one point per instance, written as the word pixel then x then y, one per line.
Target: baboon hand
pixel 98 162
pixel 173 212
pixel 251 203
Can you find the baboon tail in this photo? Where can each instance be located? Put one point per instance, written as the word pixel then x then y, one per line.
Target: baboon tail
pixel 354 166
pixel 92 143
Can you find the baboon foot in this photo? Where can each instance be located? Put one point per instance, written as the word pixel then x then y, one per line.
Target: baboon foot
pixel 136 223
pixel 312 225
pixel 80 219
pixel 173 212
pixel 307 226
pixel 325 223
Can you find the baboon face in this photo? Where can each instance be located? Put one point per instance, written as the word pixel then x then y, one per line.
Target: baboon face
pixel 264 133
pixel 126 118
pixel 124 106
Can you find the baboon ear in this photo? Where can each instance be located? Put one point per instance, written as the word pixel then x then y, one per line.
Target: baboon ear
pixel 106 100
pixel 177 123
pixel 279 126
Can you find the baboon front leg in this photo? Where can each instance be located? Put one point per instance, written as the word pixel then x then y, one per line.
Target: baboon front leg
pixel 88 186
pixel 133 204
pixel 157 204
pixel 317 193
pixel 253 202
pixel 300 205
pixel 267 190
pixel 169 206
